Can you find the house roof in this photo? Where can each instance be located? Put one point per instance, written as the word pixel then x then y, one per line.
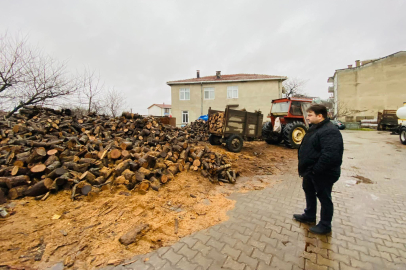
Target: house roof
pixel 229 78
pixel 368 62
pixel 162 106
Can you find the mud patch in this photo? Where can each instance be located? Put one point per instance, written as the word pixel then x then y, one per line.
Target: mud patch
pixel 362 179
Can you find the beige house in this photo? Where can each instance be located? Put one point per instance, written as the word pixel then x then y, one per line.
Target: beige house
pixel 192 98
pixel 369 87
pixel 159 109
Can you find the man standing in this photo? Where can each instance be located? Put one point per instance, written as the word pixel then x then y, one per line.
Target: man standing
pixel 320 157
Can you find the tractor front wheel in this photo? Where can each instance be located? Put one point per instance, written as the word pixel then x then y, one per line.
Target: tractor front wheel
pixel 293 134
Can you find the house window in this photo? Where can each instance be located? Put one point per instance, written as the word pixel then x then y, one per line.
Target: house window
pixel 209 93
pixel 232 92
pixel 166 111
pixel 184 94
pixel 185 117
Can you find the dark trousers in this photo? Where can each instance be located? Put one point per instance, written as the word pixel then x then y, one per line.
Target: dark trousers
pixel 321 189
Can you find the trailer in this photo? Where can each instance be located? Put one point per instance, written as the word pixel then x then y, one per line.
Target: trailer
pixel 232 127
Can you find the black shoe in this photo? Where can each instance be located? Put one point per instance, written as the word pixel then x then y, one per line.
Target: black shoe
pixel 320 229
pixel 304 219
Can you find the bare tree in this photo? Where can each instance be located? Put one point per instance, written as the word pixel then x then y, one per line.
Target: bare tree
pixel 91 91
pixel 45 80
pixel 294 87
pixel 29 77
pixel 114 102
pixel 14 58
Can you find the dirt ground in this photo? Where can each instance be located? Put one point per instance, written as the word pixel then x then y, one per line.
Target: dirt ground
pixel 84 233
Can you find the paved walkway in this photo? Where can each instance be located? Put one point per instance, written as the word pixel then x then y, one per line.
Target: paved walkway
pixel 369 225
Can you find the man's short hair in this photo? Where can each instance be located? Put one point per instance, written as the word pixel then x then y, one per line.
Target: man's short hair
pixel 318 109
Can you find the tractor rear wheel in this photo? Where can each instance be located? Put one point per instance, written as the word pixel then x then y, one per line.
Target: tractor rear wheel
pixel 402 135
pixel 293 134
pixel 269 135
pixel 234 143
pixel 214 140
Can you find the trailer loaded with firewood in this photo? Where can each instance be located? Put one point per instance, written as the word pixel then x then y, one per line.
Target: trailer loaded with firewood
pixel 232 127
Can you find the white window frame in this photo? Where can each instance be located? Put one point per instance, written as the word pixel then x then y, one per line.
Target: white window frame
pixel 210 91
pixel 185 113
pixel 232 92
pixel 183 92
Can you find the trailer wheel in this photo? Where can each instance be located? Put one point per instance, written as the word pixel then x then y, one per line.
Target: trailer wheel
pixel 234 143
pixel 402 135
pixel 293 134
pixel 214 140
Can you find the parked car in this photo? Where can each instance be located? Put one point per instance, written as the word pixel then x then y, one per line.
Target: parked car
pixel 338 124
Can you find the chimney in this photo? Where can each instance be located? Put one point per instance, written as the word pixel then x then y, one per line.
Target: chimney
pixel 218 74
pixel 357 63
pixel 198 74
pixel 349 66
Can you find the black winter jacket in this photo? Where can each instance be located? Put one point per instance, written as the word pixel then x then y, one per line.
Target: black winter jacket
pixel 321 152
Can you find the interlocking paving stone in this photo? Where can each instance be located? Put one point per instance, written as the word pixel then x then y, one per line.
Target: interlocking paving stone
pixel 232 252
pixel 369 224
pixel 232 264
pixel 186 265
pixel 202 260
pixel 172 256
pixel 249 261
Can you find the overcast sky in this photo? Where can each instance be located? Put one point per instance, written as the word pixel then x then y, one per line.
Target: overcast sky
pixel 137 46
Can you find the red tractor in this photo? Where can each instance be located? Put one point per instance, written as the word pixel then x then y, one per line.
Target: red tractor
pixel 288 121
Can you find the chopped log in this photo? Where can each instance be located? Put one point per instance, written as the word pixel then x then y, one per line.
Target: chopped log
pixel 19 171
pixel 126 145
pixel 155 184
pixel 134 234
pixel 36 155
pixel 38 168
pixel 121 167
pixel 205 173
pixel 19 163
pixel 196 163
pixel 88 176
pixel 115 153
pixel 144 187
pixel 99 180
pixel 37 189
pixel 86 189
pixel 105 172
pixel 14 181
pixel 145 172
pixel 57 172
pixel 128 174
pixel 17 192
pixel 50 184
pixel 51 160
pixel 61 180
pixel 3 198
pixel 76 167
pixel 52 152
pixel 173 169
pixel 121 181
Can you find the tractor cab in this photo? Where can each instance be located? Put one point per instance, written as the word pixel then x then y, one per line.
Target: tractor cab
pixel 288 121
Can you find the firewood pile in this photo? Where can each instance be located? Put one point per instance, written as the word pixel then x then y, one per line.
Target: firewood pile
pixel 198 130
pixel 216 123
pixel 43 151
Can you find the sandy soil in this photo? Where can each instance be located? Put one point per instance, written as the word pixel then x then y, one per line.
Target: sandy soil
pixel 86 232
